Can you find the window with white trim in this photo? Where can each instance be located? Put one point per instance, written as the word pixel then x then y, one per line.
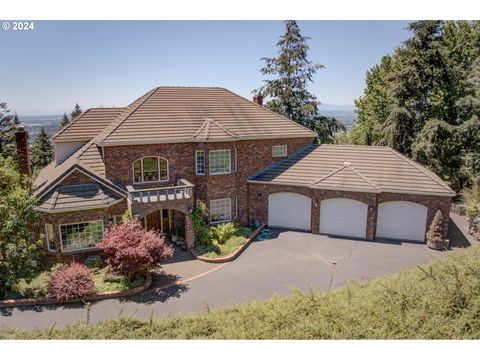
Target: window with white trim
pixel 149 169
pixel 220 210
pixel 81 236
pixel 200 162
pixel 49 234
pixel 219 162
pixel 279 150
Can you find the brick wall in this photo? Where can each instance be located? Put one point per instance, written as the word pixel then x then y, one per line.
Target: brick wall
pixel 258 198
pixel 70 217
pixel 251 156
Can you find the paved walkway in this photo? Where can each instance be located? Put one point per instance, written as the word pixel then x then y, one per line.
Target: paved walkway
pixel 292 260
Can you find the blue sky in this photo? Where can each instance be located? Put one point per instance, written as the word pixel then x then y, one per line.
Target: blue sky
pixel 111 63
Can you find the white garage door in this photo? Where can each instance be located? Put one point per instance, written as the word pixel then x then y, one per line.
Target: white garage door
pixel 289 210
pixel 343 217
pixel 402 220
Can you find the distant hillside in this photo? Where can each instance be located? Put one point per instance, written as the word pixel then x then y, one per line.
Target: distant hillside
pixel 33 123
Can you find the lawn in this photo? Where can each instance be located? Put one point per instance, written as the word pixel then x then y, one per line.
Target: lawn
pixel 103 280
pixel 439 300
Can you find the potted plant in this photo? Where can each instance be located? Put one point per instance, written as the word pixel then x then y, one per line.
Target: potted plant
pixel 435 235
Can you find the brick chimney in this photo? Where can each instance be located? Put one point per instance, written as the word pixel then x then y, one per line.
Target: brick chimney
pixel 23 155
pixel 258 99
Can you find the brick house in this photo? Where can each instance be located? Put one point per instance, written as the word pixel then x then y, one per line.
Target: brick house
pixel 177 145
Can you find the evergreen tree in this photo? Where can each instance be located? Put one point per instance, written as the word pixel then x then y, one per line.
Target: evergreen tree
pixel 65 120
pixel 8 127
pixel 424 100
pixel 42 151
pixel 76 111
pixel 288 91
pixel 20 252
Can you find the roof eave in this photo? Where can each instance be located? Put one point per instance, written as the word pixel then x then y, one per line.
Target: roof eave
pixel 333 188
pixel 83 208
pixel 190 140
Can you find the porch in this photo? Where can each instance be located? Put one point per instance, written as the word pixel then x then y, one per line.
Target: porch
pixel 165 208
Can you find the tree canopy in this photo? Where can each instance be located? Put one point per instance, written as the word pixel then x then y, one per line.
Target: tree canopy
pixel 42 150
pixel 20 251
pixel 424 100
pixel 287 90
pixel 8 127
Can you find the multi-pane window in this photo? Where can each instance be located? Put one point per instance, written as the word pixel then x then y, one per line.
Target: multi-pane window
pixel 219 162
pixel 200 162
pixel 150 169
pixel 81 236
pixel 279 150
pixel 50 237
pixel 220 210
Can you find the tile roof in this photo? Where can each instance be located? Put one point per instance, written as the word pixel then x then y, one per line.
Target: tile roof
pixel 353 168
pixel 81 196
pixel 187 114
pixel 87 125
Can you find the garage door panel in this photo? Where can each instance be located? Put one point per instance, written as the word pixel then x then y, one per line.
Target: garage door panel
pixel 343 217
pixel 402 220
pixel 289 210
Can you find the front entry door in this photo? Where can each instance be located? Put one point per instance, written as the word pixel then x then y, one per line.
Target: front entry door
pixel 159 220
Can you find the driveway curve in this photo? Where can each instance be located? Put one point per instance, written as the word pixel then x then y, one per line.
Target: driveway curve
pixel 290 260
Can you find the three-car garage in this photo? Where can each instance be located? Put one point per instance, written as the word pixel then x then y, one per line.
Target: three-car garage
pixel 344 217
pixel 363 192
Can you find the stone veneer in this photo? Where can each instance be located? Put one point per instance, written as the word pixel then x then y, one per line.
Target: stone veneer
pixel 258 198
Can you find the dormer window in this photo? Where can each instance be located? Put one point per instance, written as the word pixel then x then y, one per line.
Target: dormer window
pixel 150 169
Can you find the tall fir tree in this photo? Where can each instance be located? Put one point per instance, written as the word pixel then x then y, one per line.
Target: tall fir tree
pixel 42 151
pixel 65 120
pixel 287 92
pixel 423 100
pixel 8 127
pixel 76 111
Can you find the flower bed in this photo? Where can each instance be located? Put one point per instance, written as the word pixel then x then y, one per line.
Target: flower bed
pixel 232 255
pixel 36 292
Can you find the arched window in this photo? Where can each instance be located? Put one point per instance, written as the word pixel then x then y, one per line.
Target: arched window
pixel 150 169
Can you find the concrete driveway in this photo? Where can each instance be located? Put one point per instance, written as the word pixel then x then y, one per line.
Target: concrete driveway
pixel 290 260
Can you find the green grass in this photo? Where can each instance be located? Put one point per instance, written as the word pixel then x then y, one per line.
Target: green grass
pixel 440 300
pixel 107 282
pixel 38 287
pixel 217 250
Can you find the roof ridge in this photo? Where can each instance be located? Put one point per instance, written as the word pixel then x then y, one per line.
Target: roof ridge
pixel 271 111
pixel 363 177
pixel 422 169
pixel 120 121
pixel 224 128
pixel 328 175
pixel 200 128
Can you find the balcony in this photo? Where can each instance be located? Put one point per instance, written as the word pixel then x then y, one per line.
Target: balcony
pixel 183 191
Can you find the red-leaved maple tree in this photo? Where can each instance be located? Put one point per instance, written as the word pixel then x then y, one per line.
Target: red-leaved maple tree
pixel 131 250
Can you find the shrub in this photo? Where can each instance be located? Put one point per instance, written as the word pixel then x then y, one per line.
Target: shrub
pixel 94 261
pixel 202 232
pixel 131 250
pixel 472 200
pixel 71 282
pixel 222 232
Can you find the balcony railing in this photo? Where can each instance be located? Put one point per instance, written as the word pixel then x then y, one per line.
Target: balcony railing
pixel 183 191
